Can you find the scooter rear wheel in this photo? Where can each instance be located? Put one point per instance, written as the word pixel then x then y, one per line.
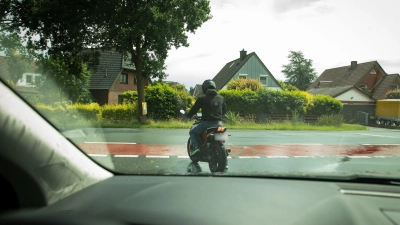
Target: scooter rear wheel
pixel 189 147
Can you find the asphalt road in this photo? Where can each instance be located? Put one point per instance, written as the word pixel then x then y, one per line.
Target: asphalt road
pixel 310 156
pixel 243 137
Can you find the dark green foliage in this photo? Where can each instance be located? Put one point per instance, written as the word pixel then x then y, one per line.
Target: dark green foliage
pixel 164 102
pixel 299 71
pixel 130 96
pixel 393 94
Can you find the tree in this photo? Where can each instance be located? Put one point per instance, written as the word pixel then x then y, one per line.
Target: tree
pixel 143 31
pixel 59 83
pixel 299 71
pixel 241 84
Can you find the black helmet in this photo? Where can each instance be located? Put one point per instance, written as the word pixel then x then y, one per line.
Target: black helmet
pixel 208 84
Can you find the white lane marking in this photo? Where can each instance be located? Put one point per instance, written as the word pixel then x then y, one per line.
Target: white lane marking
pixel 127 156
pixel 98 155
pixel 121 143
pixel 377 135
pixel 379 156
pixel 249 157
pixel 359 157
pixel 183 157
pixel 271 157
pixel 302 144
pixel 158 156
pixel 380 144
pixel 304 156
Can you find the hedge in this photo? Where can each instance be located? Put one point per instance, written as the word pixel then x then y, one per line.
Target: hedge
pixel 247 102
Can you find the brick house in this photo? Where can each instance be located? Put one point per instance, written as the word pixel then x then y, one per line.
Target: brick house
pixel 357 86
pixel 362 83
pixel 114 75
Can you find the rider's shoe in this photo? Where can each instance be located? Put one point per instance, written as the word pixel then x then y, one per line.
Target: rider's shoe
pixel 196 150
pixel 226 166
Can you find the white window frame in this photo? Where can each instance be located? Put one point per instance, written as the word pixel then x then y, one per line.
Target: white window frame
pixel 373 72
pixel 243 75
pixel 266 79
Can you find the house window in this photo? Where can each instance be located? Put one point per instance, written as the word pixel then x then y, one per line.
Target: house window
pixel 29 79
pixel 134 79
pixel 123 78
pixel 363 86
pixel 394 87
pixel 120 99
pixel 242 76
pixel 373 72
pixel 263 79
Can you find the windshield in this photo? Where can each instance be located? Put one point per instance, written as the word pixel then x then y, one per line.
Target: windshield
pixel 298 88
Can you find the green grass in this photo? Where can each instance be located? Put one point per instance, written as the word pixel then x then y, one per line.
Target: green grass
pixel 180 124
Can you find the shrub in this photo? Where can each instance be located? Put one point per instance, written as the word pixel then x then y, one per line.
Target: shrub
pixel 393 94
pixel 242 84
pixel 232 118
pixel 89 112
pixel 325 105
pixel 122 112
pixel 242 101
pixel 130 96
pixel 164 102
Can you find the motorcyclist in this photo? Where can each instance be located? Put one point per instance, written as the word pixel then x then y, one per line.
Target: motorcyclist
pixel 212 107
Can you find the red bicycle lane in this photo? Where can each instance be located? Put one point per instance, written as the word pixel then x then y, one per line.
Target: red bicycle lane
pixel 251 150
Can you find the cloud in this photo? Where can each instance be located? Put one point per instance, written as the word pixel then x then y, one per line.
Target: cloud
pixel 282 6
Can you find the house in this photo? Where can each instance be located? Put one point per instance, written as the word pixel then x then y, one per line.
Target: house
pixel 26 84
pixel 247 66
pixel 197 90
pixel 362 83
pixel 114 75
pixel 357 86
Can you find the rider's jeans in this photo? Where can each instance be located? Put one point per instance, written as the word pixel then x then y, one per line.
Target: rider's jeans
pixel 199 129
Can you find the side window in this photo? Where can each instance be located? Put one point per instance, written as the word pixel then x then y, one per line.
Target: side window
pixel 394 87
pixel 123 78
pixel 120 99
pixel 363 86
pixel 264 79
pixel 134 79
pixel 242 76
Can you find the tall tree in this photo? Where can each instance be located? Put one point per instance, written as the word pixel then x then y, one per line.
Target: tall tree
pixel 58 83
pixel 142 30
pixel 299 72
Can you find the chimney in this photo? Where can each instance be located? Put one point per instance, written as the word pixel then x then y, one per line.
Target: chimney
pixel 353 64
pixel 242 54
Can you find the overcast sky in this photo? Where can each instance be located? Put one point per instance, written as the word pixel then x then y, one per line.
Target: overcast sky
pixel 330 32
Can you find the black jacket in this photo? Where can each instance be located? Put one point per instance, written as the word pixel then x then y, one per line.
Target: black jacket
pixel 212 106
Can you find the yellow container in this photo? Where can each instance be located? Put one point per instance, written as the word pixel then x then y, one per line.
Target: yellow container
pixel 388 108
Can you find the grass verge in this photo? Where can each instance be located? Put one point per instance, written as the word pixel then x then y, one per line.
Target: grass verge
pixel 180 124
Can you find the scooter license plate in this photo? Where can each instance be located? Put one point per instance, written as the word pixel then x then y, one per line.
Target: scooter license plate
pixel 221 136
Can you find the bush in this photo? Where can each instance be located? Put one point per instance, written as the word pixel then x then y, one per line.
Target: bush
pixel 330 120
pixel 90 112
pixel 242 84
pixel 232 118
pixel 242 101
pixel 164 102
pixel 122 112
pixel 393 94
pixel 325 105
pixel 130 96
